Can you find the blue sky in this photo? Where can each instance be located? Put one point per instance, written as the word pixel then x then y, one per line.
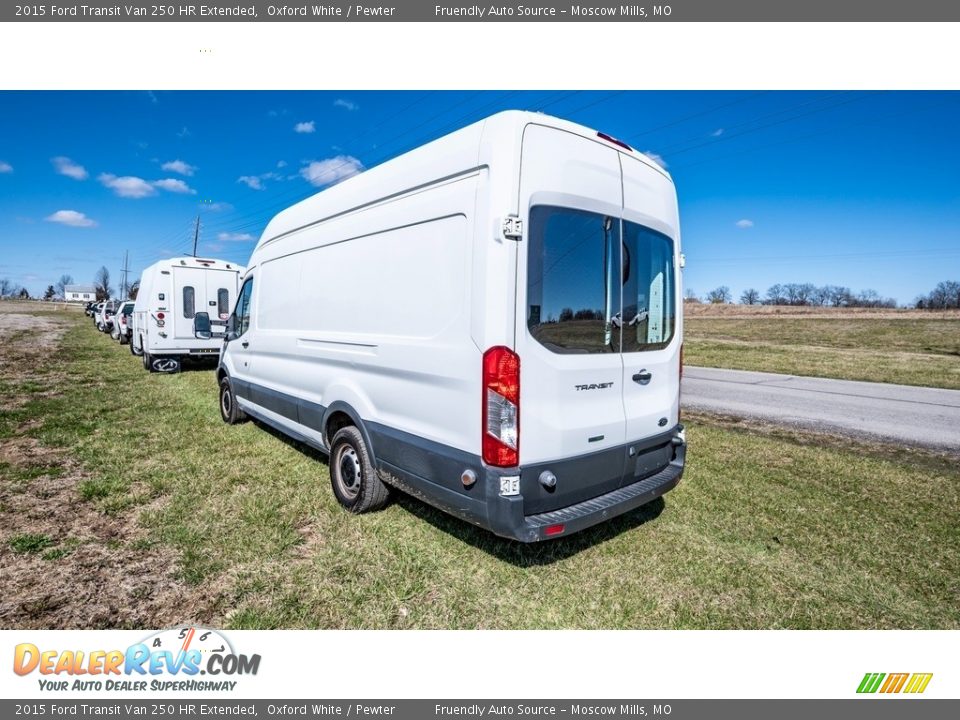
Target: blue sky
pixel 831 187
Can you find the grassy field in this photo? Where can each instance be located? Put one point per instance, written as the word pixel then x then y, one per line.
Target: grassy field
pixel 905 348
pixel 124 501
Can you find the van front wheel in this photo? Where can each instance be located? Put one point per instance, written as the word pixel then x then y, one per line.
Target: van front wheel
pixel 352 475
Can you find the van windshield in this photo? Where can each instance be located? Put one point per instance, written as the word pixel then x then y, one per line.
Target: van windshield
pixel 577 302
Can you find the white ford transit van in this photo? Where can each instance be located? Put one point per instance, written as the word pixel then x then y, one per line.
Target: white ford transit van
pixel 491 322
pixel 172 292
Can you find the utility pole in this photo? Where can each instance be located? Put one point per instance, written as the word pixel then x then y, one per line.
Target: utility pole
pixel 125 286
pixel 196 234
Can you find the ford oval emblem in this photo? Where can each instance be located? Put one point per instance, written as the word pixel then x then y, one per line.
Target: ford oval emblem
pixel 661 422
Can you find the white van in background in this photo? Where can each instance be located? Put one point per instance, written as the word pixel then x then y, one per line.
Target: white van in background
pixel 491 322
pixel 171 293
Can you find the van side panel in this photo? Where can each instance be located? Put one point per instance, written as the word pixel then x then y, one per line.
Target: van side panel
pixel 373 310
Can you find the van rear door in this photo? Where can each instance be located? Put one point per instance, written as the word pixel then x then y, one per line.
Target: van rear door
pixel 189 293
pixel 571 369
pixel 651 322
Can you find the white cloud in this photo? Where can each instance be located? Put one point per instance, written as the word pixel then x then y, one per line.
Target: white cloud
pixel 216 206
pixel 331 170
pixel 658 159
pixel 175 186
pixel 5 167
pixel 153 97
pixel 66 166
pixel 305 127
pixel 235 237
pixel 745 223
pixel 251 181
pixel 345 104
pixel 184 132
pixel 127 186
pixel 179 167
pixel 71 218
pixel 717 133
pixel 281 163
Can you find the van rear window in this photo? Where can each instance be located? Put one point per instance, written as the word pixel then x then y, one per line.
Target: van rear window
pixel 596 284
pixel 189 302
pixel 570 283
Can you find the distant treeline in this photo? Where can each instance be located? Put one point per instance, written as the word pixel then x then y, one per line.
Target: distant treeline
pixel 944 296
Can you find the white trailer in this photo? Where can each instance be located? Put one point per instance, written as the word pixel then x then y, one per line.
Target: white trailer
pixel 171 293
pixel 491 322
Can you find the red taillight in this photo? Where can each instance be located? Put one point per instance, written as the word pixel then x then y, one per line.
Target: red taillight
pixel 160 316
pixel 501 407
pixel 553 529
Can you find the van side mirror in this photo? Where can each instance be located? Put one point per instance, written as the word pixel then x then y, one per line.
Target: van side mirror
pixel 231 331
pixel 201 326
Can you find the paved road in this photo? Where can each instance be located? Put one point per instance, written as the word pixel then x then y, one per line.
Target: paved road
pixel 926 417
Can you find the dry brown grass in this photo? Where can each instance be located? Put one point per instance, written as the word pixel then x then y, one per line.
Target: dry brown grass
pixel 707 310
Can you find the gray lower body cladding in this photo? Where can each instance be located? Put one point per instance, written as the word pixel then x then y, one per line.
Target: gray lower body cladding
pixel 590 488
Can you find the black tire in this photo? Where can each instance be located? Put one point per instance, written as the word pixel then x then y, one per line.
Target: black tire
pixel 133 349
pixel 352 475
pixel 230 412
pixel 146 360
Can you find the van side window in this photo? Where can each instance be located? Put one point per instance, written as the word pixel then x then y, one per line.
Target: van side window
pixel 223 302
pixel 243 307
pixel 573 294
pixel 189 302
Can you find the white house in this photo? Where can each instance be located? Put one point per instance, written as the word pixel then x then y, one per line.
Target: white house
pixel 79 293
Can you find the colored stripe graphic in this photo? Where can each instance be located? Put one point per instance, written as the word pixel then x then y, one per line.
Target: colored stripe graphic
pixel 918 683
pixel 894 682
pixel 870 682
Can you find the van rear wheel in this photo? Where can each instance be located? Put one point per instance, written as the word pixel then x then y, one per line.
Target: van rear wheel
pixel 230 411
pixel 352 475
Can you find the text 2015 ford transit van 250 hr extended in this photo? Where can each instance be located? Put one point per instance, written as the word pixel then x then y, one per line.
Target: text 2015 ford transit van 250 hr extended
pixel 491 322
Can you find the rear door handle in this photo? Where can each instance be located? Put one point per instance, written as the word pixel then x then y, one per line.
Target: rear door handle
pixel 643 377
pixel 246 343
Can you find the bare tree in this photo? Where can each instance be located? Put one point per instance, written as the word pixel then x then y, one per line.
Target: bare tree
pixel 51 293
pixel 720 295
pixel 101 283
pixel 776 295
pixel 820 295
pixel 6 287
pixel 750 296
pixel 690 296
pixel 24 294
pixel 61 286
pixel 134 290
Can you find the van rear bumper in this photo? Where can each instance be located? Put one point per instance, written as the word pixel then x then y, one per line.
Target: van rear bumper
pixel 506 518
pixel 482 504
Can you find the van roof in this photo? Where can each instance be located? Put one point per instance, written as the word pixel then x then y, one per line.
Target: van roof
pixel 470 147
pixel 191 261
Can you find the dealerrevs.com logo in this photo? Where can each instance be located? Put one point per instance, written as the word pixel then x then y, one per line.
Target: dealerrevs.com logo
pixel 179 659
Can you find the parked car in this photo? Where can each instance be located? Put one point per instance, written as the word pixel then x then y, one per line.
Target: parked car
pixel 491 322
pixel 90 309
pixel 122 327
pixel 105 316
pixel 95 311
pixel 171 293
